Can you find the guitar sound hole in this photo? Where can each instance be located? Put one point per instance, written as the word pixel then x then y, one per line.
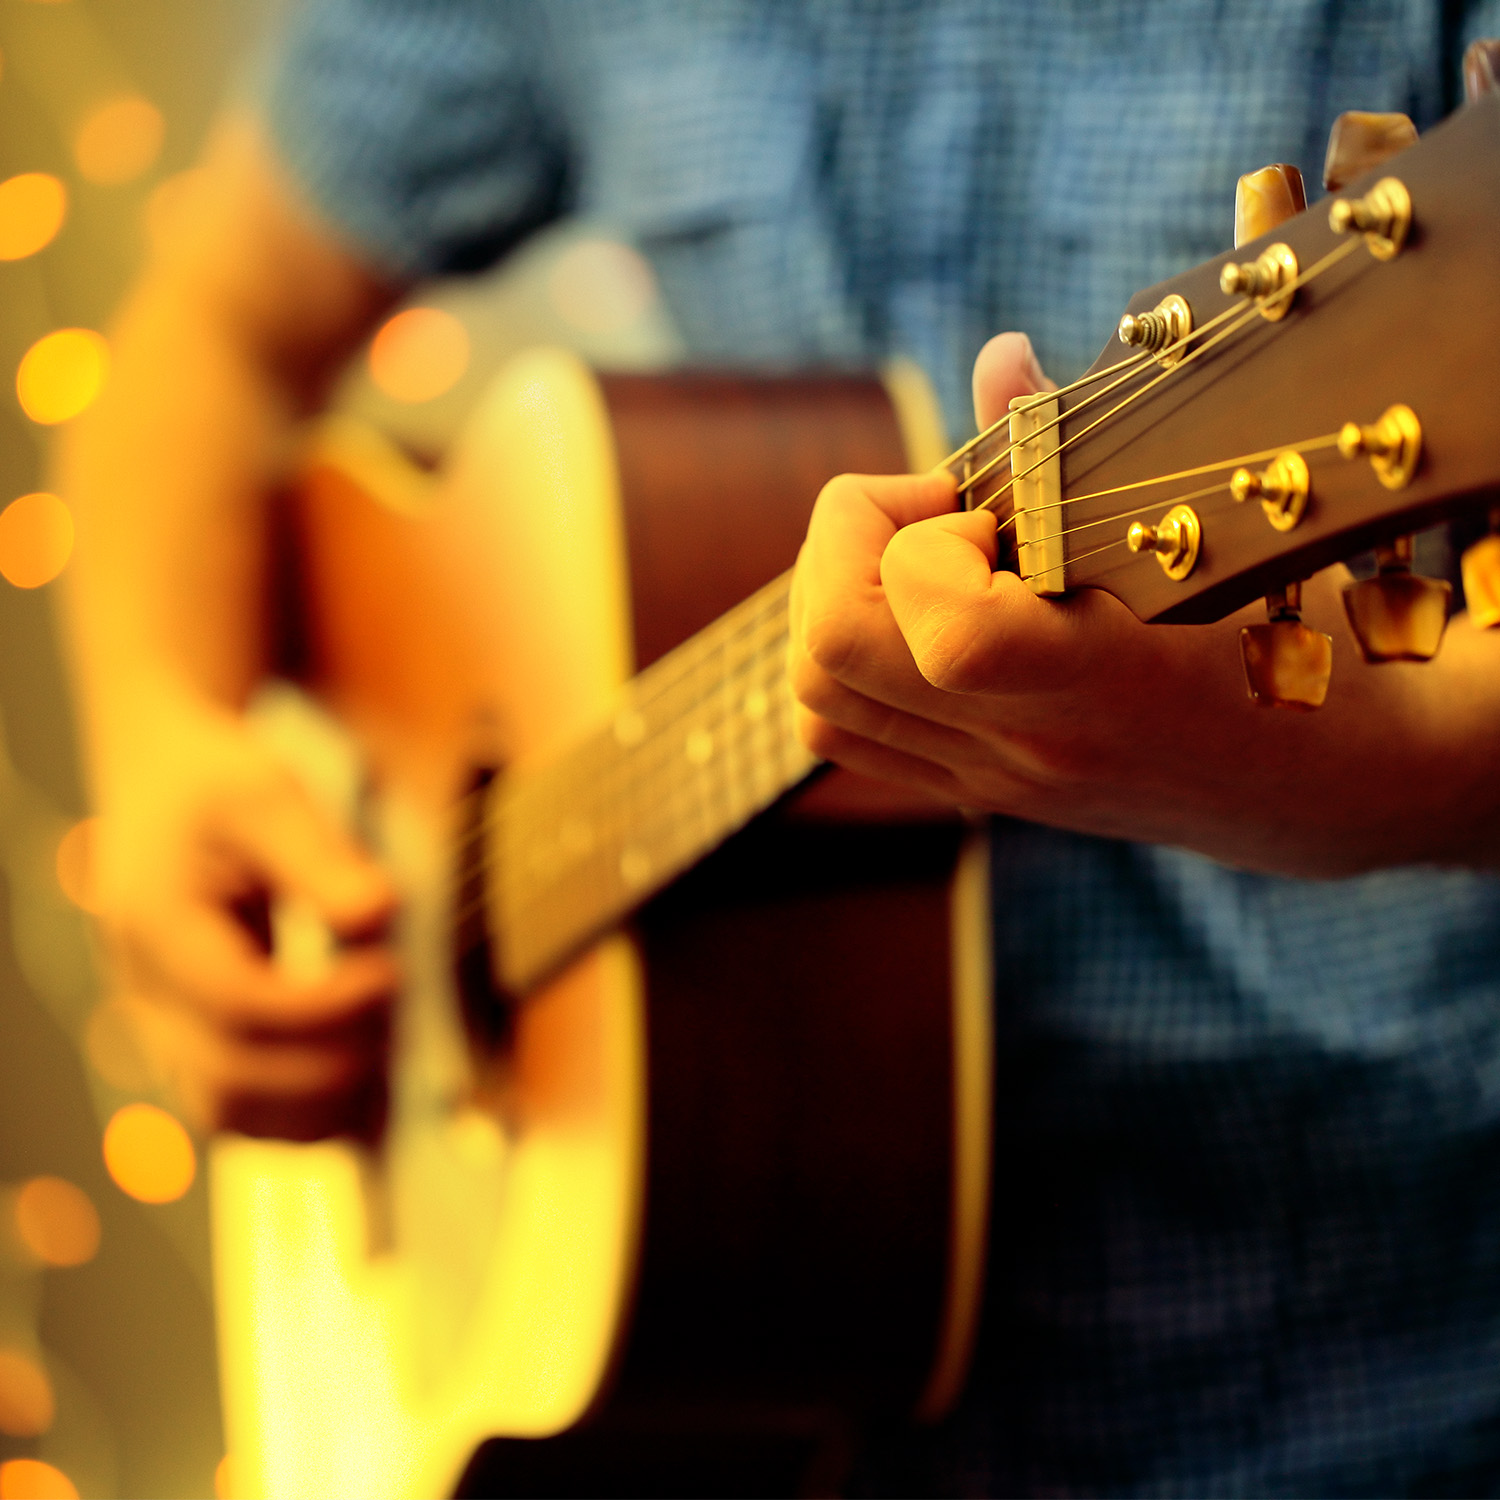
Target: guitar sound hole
pixel 488 1012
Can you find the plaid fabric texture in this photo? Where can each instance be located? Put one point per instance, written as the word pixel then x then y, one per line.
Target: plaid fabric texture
pixel 1247 1227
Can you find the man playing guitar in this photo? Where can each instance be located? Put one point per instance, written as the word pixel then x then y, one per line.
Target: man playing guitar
pixel 1248 1041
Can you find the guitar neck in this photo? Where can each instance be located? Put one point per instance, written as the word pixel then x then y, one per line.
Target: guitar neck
pixel 701 743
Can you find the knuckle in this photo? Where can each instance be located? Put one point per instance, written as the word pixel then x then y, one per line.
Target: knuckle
pixel 817 734
pixel 831 642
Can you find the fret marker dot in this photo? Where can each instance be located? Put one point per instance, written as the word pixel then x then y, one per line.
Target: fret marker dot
pixel 634 867
pixel 630 728
pixel 756 703
pixel 700 747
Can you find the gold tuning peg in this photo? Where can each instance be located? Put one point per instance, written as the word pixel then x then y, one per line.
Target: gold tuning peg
pixel 1481 573
pixel 1287 663
pixel 1397 615
pixel 1481 68
pixel 1263 199
pixel 1360 142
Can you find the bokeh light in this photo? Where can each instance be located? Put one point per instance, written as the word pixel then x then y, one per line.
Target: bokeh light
pixel 31 1479
pixel 32 209
pixel 74 864
pixel 36 539
pixel 115 1049
pixel 419 354
pixel 169 203
pixel 224 1479
pixel 57 1222
pixel 61 374
pixel 27 1405
pixel 601 286
pixel 119 139
pixel 149 1153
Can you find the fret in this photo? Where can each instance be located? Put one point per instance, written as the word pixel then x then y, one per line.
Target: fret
pixel 700 743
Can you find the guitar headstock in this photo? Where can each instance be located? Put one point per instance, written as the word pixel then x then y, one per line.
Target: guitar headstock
pixel 1327 388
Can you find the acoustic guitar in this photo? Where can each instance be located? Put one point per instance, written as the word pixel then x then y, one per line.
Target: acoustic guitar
pixel 689 1135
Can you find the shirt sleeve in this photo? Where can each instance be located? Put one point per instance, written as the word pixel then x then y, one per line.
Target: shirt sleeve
pixel 416 127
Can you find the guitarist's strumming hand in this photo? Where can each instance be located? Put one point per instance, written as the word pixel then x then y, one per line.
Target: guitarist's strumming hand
pixel 185 870
pixel 915 662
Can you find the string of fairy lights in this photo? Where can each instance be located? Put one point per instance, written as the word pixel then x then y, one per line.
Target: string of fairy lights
pixel 85 184
pixel 95 154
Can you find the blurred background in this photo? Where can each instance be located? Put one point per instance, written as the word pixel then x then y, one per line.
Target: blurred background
pixel 108 1380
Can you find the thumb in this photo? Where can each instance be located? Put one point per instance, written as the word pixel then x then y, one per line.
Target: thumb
pixel 300 851
pixel 1007 367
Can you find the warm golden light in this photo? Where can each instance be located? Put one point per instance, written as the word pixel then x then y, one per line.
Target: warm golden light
pixel 223 1479
pixel 32 209
pixel 169 203
pixel 31 1479
pixel 57 1222
pixel 26 1403
pixel 419 354
pixel 61 374
pixel 73 864
pixel 36 539
pixel 113 1045
pixel 119 139
pixel 149 1154
pixel 601 286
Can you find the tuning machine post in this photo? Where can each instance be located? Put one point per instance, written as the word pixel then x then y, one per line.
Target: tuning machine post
pixel 1266 280
pixel 1287 664
pixel 1175 540
pixel 1282 488
pixel 1163 331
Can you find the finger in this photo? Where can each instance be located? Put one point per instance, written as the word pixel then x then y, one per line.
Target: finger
pixel 1007 367
pixel 971 630
pixel 198 955
pixel 359 1113
pixel 831 702
pixel 870 758
pixel 299 851
pixel 839 608
pixel 295 1091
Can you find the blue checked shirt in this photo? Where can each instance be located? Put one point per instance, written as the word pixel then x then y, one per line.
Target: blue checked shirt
pixel 1247 1211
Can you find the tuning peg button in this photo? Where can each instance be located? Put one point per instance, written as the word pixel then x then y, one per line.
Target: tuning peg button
pixel 1287 664
pixel 1360 142
pixel 1266 198
pixel 1481 572
pixel 1397 615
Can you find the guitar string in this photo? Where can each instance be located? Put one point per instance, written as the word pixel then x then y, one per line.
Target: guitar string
pixel 553 932
pixel 1039 398
pixel 762 665
pixel 658 771
pixel 761 670
pixel 1130 366
pixel 1333 257
pixel 527 805
pixel 610 809
pixel 1309 445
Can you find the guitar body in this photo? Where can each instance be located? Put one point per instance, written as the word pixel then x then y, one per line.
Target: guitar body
pixel 717 1188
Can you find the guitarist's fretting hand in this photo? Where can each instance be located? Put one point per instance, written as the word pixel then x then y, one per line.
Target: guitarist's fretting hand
pixel 914 662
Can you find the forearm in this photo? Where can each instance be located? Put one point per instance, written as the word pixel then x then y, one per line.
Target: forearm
pixel 223 346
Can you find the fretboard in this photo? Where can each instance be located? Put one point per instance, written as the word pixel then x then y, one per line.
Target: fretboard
pixel 702 741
